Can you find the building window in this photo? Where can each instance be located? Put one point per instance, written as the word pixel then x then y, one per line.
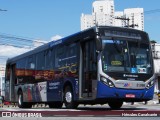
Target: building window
pixel 101 8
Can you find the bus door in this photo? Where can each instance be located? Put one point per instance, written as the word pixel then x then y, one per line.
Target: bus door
pixel 12 82
pixel 87 69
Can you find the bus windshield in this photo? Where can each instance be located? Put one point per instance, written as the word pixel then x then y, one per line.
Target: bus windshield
pixel 125 56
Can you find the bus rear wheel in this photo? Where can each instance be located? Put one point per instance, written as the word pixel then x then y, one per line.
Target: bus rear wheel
pixel 21 103
pixel 20 100
pixel 68 98
pixel 115 104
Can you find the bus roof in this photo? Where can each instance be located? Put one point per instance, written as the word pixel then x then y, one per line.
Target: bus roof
pixel 66 40
pixel 82 35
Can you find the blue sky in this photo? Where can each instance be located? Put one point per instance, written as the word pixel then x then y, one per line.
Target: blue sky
pixel 42 19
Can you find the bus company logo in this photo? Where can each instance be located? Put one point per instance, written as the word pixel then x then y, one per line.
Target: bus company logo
pixel 127 85
pixel 126 75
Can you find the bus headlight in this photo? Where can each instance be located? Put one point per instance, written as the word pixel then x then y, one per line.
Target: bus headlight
pixel 107 82
pixel 150 84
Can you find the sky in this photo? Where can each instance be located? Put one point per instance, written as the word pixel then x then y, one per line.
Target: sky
pixel 48 19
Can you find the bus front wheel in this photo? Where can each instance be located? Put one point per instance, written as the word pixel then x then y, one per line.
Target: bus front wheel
pixel 115 104
pixel 68 98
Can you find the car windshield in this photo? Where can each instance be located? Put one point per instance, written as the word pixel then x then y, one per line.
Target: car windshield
pixel 125 56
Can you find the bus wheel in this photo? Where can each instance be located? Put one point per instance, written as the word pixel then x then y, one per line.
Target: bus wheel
pixel 55 105
pixel 21 104
pixel 115 105
pixel 20 100
pixel 68 98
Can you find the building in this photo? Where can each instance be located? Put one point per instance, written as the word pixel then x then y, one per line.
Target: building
pixel 136 16
pixel 132 17
pixel 2 70
pixel 2 83
pixel 119 22
pixel 87 21
pixel 103 13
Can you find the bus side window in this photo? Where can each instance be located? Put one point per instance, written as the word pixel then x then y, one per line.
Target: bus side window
pixel 40 60
pixel 20 70
pixel 49 61
pixel 60 55
pixel 31 62
pixel 72 57
pixel 72 50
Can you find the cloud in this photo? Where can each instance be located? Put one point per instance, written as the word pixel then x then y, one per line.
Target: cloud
pixel 10 51
pixel 56 37
pixel 38 43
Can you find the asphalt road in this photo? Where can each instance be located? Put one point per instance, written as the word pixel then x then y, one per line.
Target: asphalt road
pixel 97 111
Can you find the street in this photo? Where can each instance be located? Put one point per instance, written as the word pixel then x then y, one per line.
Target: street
pixel 96 112
pixel 138 109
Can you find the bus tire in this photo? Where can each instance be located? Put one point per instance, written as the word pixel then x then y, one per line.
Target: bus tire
pixel 115 104
pixel 22 104
pixel 68 98
pixel 55 105
pixel 20 100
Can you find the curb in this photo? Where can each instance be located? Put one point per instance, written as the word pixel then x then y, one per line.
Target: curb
pixel 142 103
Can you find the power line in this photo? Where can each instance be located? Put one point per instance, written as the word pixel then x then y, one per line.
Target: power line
pixel 18 46
pixel 124 19
pixel 2 10
pixel 152 11
pixel 3 57
pixel 18 38
pixel 19 42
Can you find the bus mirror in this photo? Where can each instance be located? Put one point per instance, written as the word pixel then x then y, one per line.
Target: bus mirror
pixel 98 44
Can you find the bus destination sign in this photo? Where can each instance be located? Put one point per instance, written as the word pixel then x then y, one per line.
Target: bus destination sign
pixel 125 34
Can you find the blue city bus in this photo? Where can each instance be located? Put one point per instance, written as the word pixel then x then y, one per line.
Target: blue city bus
pixel 103 64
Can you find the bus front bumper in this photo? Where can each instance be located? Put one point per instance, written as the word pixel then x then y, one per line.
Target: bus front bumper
pixel 133 95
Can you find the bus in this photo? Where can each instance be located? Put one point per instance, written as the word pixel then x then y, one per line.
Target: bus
pixel 103 64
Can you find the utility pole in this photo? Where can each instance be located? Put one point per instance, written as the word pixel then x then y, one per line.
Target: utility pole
pixel 133 25
pixel 124 20
pixel 127 23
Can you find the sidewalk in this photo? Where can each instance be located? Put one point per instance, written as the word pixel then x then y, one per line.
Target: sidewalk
pixel 154 100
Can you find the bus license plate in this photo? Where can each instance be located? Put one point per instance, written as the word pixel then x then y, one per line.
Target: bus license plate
pixel 130 96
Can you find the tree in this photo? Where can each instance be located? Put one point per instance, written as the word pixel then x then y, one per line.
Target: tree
pixel 153 41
